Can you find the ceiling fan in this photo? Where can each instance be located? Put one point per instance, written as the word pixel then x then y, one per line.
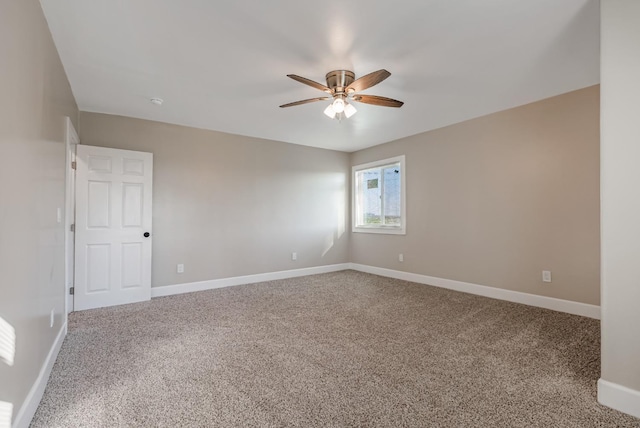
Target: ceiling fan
pixel 342 86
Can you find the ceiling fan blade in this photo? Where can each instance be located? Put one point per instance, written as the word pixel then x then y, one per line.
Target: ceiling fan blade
pixel 378 101
pixel 310 100
pixel 368 81
pixel 309 82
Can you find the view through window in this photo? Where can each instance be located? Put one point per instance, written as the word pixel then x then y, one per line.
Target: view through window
pixel 379 196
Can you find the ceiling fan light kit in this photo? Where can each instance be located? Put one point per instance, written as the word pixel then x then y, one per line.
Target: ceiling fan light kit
pixel 342 86
pixel 339 107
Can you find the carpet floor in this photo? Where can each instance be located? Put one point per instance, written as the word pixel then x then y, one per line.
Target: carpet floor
pixel 344 349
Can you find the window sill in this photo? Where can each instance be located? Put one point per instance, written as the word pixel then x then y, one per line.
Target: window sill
pixel 383 230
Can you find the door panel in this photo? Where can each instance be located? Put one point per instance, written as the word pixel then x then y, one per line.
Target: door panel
pixel 131 265
pixel 132 204
pixel 132 166
pixel 98 204
pixel 113 211
pixel 99 164
pixel 98 267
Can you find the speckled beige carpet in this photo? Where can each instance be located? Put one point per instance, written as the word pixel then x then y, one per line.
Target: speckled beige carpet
pixel 332 350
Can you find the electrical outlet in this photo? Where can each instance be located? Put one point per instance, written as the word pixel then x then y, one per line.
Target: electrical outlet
pixel 400 257
pixel 294 256
pixel 51 319
pixel 180 268
pixel 546 276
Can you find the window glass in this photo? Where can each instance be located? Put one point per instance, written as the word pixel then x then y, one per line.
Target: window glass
pixel 378 197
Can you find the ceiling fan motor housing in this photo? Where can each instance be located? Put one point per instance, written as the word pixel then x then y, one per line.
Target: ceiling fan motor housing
pixel 338 80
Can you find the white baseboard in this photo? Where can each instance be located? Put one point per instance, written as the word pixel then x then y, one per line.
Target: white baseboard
pixel 31 403
pixel 568 306
pixel 189 287
pixel 576 308
pixel 619 397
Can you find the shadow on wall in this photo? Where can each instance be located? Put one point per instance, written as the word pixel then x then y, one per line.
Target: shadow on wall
pixel 339 190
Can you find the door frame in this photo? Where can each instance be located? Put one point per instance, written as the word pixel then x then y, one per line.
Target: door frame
pixel 71 141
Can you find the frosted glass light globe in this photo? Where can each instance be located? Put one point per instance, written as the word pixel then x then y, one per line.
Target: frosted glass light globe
pixel 349 110
pixel 338 105
pixel 330 112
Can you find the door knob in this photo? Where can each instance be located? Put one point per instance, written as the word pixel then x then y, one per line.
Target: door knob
pixel 147 234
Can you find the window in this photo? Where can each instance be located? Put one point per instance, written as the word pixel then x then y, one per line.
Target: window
pixel 379 197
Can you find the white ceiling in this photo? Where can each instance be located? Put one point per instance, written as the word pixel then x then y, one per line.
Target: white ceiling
pixel 222 65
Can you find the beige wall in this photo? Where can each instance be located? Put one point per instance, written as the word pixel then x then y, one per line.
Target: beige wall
pixel 35 98
pixel 496 200
pixel 227 205
pixel 620 148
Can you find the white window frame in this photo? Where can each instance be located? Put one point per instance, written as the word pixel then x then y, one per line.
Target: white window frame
pixel 392 230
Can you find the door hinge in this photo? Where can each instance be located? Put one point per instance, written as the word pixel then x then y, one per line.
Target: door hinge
pixel 72 290
pixel 73 227
pixel 73 165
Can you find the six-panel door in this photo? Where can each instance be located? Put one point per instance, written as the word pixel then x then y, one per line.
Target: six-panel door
pixel 113 213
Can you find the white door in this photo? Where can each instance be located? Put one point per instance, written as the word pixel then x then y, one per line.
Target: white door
pixel 113 227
